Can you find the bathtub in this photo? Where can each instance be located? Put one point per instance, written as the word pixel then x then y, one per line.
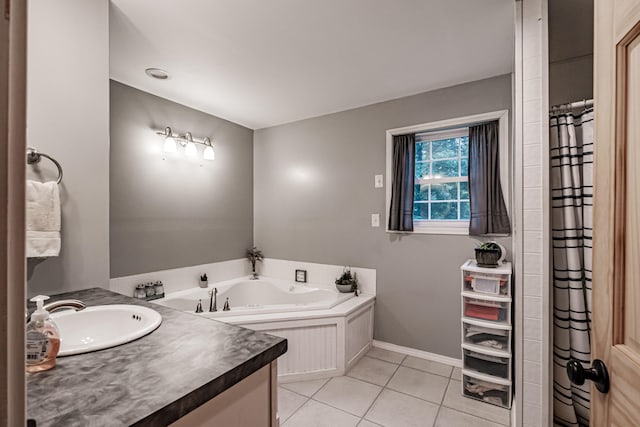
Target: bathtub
pixel 251 297
pixel 327 331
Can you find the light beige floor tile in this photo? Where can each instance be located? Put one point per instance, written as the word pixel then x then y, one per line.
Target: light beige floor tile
pixel 305 388
pixel 396 409
pixel 316 414
pixel 457 374
pixel 428 366
pixel 420 384
pixel 365 423
pixel 348 394
pixel 373 370
pixel 449 418
pixel 386 355
pixel 288 403
pixel 455 400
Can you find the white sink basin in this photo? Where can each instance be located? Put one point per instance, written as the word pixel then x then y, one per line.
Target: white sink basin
pixel 103 326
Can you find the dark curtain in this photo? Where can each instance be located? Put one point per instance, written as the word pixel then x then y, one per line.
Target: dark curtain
pixel 488 211
pixel 401 210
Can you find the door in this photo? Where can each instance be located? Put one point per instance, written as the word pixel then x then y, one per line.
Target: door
pixel 616 245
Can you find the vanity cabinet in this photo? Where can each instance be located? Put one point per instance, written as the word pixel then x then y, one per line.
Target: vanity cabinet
pixel 253 402
pixel 487 327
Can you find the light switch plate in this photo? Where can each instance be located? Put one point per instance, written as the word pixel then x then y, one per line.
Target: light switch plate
pixel 375 220
pixel 378 181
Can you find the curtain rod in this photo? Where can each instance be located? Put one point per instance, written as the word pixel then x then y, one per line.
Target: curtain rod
pixel 578 104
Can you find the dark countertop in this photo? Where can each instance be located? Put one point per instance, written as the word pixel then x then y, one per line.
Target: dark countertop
pixel 152 381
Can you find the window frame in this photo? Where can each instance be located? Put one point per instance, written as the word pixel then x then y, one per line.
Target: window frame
pixel 435 136
pixel 460 227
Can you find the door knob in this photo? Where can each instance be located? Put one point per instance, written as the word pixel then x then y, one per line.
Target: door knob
pixel 598 374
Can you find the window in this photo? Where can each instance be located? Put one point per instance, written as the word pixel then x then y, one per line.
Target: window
pixel 441 186
pixel 441 191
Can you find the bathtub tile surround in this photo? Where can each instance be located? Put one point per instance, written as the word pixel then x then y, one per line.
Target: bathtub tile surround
pixel 338 402
pixel 178 279
pixel 317 274
pixel 138 382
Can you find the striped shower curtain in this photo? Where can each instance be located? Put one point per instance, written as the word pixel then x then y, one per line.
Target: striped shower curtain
pixel 571 144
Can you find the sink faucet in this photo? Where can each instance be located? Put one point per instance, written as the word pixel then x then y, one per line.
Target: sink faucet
pixel 75 304
pixel 213 301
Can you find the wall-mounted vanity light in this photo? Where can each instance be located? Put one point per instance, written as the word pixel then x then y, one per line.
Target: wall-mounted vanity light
pixel 187 141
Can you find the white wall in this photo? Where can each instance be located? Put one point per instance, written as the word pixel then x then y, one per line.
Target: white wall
pixel 68 118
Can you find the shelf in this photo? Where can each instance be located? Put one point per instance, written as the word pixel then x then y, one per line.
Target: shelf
pixel 498 324
pixel 471 265
pixel 486 350
pixel 486 297
pixel 486 323
pixel 485 377
pixel 503 396
pixel 481 363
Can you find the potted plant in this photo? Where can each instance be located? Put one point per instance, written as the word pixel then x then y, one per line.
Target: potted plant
pixel 204 281
pixel 488 254
pixel 254 255
pixel 347 282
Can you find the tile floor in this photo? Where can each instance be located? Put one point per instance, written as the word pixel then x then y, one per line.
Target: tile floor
pixel 386 389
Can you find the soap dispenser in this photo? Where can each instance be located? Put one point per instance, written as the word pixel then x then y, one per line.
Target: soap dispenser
pixel 43 338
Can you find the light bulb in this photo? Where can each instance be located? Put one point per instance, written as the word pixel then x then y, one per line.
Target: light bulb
pixel 190 149
pixel 169 145
pixel 209 154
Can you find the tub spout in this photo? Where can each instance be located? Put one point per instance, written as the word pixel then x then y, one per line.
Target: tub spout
pixel 213 301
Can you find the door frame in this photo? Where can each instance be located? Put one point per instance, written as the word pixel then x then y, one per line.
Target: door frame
pixel 13 42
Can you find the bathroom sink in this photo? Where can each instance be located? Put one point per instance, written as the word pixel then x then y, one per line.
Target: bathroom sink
pixel 103 326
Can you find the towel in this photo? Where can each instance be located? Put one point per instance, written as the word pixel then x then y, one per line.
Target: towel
pixel 43 219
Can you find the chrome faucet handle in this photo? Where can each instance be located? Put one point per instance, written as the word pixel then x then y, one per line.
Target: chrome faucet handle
pixel 199 306
pixel 213 301
pixel 226 305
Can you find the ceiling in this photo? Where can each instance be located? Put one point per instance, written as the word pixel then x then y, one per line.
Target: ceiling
pixel 262 63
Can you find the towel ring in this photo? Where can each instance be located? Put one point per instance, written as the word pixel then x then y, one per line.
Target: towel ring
pixel 34 157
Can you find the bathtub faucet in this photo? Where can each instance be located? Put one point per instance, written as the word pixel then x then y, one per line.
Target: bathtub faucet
pixel 213 301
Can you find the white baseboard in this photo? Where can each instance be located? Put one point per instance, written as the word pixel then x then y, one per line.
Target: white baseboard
pixel 418 353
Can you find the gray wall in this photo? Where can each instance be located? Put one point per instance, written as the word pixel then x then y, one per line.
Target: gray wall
pixel 314 195
pixel 179 211
pixel 68 118
pixel 570 50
